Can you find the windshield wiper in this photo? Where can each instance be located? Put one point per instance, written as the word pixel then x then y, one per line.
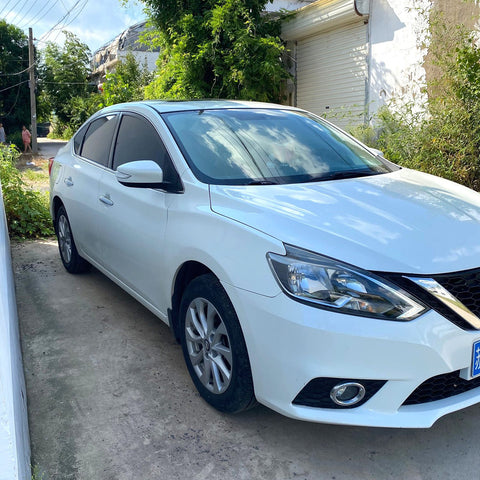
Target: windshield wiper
pixel 262 182
pixel 342 174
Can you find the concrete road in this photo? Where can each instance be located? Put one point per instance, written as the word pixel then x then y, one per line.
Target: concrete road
pixel 110 399
pixel 48 147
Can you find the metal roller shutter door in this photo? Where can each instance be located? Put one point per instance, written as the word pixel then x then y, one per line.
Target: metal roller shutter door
pixel 332 74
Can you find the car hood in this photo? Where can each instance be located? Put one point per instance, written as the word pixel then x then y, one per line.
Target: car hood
pixel 404 221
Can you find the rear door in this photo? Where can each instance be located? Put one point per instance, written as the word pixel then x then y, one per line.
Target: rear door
pixel 92 147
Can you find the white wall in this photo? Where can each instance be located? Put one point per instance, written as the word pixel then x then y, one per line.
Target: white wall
pixel 277 5
pixel 395 61
pixel 142 58
pixel 14 436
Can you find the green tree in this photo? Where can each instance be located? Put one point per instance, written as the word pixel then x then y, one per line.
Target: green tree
pixel 127 82
pixel 65 75
pixel 216 49
pixel 14 91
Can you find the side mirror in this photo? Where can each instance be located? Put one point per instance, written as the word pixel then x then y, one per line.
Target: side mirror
pixel 376 152
pixel 143 173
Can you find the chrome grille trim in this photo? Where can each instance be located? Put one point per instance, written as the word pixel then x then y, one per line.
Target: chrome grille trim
pixel 444 296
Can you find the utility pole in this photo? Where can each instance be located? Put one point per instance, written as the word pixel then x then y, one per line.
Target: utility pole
pixel 33 102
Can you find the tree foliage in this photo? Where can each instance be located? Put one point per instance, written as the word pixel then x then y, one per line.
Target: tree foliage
pixel 127 82
pixel 217 49
pixel 64 78
pixel 14 91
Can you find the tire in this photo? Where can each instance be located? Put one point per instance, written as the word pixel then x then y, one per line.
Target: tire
pixel 214 348
pixel 71 260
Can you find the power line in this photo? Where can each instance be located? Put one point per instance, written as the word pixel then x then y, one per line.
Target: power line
pixel 46 13
pixel 78 13
pixel 5 6
pixel 16 73
pixel 45 35
pixel 15 103
pixel 13 86
pixel 18 11
pixel 65 83
pixel 12 9
pixel 27 14
pixel 73 19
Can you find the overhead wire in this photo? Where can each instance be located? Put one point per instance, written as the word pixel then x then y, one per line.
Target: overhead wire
pixel 13 86
pixel 29 17
pixel 16 73
pixel 5 6
pixel 12 9
pixel 45 35
pixel 15 103
pixel 46 13
pixel 13 19
pixel 81 8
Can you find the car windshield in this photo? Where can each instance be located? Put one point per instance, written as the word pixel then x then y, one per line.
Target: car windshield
pixel 268 146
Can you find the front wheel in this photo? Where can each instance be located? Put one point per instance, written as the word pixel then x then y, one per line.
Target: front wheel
pixel 214 347
pixel 71 259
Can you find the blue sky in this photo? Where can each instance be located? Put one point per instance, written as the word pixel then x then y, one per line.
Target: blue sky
pixel 95 22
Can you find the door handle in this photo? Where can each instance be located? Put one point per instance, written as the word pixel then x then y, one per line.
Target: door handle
pixel 68 182
pixel 106 200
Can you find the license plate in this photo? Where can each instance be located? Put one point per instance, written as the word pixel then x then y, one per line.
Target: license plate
pixel 476 359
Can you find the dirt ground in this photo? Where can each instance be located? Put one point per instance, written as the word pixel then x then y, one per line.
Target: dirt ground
pixel 109 398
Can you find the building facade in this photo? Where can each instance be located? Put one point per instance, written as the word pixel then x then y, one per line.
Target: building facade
pixel 350 57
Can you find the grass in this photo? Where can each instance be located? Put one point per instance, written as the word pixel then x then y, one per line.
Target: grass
pixel 35 176
pixel 36 475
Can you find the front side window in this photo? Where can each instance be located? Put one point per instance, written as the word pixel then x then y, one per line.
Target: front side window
pixel 98 139
pixel 247 146
pixel 137 139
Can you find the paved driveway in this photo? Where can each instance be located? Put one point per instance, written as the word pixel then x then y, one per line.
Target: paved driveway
pixel 48 147
pixel 110 399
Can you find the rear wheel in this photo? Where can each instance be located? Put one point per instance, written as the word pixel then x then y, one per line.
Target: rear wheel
pixel 71 260
pixel 214 347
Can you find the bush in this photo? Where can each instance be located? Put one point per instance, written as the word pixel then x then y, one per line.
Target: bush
pixel 27 211
pixel 16 139
pixel 444 138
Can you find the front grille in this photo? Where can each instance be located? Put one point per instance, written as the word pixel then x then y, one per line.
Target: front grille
pixel 465 286
pixel 317 392
pixel 440 387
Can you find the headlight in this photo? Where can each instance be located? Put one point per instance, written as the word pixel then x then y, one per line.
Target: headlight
pixel 331 284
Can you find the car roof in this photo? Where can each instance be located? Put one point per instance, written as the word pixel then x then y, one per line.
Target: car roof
pixel 166 106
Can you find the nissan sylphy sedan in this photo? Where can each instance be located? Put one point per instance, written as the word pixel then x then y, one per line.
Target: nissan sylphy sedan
pixel 296 268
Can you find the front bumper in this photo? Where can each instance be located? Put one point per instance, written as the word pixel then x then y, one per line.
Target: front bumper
pixel 290 344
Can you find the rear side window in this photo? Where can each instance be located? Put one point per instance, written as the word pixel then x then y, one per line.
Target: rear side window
pixel 98 139
pixel 78 139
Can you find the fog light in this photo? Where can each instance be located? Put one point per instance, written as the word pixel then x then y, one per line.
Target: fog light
pixel 347 394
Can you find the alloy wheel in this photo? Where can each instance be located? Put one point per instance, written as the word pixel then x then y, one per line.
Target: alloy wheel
pixel 208 345
pixel 65 238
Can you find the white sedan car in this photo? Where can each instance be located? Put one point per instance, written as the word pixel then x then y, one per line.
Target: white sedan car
pixel 295 267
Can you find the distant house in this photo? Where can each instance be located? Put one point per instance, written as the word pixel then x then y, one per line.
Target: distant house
pixel 349 57
pixel 105 59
